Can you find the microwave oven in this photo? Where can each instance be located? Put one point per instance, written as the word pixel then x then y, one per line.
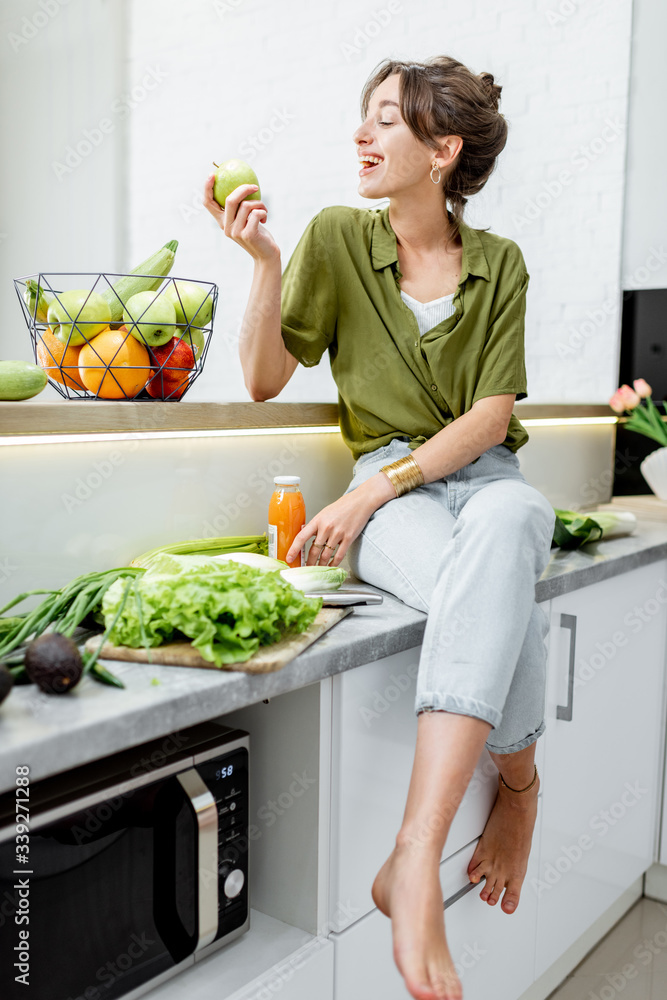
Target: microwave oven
pixel 137 866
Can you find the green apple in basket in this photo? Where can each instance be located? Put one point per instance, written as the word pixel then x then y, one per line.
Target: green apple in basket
pixel 78 316
pixel 193 303
pixel 194 338
pixel 150 318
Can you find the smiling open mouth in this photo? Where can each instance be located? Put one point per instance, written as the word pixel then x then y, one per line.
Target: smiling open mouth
pixel 368 165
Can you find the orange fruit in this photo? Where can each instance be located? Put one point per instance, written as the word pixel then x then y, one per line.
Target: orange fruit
pixel 128 364
pixel 53 356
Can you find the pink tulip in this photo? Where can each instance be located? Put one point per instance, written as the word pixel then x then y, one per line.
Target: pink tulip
pixel 616 402
pixel 629 397
pixel 642 388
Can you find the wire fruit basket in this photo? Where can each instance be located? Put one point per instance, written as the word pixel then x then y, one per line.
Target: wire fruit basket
pixel 155 352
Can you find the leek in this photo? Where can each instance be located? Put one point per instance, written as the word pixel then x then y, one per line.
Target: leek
pixel 315 579
pixel 309 579
pixel 574 528
pixel 206 547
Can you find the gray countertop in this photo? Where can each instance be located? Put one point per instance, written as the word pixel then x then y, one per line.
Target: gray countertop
pixel 53 734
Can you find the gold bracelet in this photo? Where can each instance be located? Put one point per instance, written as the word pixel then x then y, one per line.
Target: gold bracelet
pixel 404 474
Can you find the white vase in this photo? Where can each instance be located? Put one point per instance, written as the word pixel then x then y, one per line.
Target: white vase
pixel 654 471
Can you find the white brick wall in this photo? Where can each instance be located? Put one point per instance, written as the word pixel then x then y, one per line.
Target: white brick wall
pixel 230 66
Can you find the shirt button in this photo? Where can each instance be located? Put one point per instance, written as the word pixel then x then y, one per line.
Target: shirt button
pixel 435 388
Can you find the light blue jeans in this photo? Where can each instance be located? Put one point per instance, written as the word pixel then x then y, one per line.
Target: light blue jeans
pixel 468 549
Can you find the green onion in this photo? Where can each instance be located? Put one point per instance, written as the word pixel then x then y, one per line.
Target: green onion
pixel 62 610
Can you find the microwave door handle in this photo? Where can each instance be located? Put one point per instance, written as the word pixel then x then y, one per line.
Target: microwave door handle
pixel 205 810
pixel 182 941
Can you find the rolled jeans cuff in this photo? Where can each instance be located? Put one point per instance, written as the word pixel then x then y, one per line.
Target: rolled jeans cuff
pixel 435 701
pixel 521 744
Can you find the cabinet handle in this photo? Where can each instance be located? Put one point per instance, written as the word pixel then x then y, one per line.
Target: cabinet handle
pixel 460 892
pixel 565 711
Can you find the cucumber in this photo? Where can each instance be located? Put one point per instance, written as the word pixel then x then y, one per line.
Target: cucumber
pixel 159 265
pixel 20 379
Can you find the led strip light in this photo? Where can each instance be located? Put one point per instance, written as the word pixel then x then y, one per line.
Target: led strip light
pixel 66 438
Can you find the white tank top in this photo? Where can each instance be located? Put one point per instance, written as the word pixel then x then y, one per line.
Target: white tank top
pixel 429 314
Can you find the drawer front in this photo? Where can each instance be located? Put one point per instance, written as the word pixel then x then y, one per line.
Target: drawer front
pixel 493 951
pixel 373 741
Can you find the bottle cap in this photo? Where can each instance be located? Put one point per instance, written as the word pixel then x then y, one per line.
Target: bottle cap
pixel 287 480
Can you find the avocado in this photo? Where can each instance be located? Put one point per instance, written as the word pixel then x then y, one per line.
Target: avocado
pixel 6 681
pixel 53 662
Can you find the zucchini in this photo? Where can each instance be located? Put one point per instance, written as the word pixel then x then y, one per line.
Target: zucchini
pixel 20 379
pixel 36 301
pixel 158 264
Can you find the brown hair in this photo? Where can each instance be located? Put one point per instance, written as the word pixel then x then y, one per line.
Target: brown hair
pixel 443 97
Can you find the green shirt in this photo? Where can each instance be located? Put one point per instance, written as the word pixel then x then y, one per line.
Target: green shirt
pixel 341 293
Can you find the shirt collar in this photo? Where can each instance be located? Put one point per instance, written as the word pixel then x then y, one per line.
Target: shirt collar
pixel 384 250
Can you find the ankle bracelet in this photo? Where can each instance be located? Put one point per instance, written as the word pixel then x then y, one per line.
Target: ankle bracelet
pixel 519 789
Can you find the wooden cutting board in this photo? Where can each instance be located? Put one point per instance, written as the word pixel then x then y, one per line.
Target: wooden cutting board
pixel 264 661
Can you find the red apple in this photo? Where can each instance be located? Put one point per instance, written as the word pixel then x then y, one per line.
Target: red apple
pixel 172 380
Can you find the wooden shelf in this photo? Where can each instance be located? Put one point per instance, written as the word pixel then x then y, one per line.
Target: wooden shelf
pixel 91 417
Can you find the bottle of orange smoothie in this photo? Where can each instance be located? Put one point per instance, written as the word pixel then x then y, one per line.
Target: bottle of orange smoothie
pixel 287 516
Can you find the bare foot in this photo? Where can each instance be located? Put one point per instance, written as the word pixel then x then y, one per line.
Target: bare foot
pixel 407 889
pixel 504 847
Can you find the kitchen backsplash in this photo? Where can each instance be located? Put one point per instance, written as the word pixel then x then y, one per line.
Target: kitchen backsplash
pixel 94 506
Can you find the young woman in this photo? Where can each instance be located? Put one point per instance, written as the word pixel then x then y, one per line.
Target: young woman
pixel 423 319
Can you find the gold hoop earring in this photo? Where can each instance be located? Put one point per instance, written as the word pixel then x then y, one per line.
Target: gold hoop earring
pixel 436 167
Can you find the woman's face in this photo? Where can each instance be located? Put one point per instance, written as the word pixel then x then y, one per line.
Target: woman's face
pixel 405 162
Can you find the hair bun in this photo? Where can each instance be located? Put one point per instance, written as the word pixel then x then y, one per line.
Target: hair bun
pixel 492 89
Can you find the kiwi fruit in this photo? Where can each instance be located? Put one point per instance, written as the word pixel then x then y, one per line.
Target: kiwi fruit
pixel 53 662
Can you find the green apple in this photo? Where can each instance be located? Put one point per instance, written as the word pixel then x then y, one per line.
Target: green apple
pixel 194 338
pixel 150 318
pixel 78 316
pixel 230 175
pixel 193 303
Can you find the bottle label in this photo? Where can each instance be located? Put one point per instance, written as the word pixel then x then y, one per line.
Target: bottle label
pixel 273 541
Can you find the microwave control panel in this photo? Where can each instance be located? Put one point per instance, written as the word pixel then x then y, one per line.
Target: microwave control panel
pixel 227 779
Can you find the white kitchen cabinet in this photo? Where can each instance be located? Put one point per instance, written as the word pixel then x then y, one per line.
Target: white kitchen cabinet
pixel 493 951
pixel 374 730
pixel 603 748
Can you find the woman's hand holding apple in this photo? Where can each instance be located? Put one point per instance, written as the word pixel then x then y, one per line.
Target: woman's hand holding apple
pixel 240 220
